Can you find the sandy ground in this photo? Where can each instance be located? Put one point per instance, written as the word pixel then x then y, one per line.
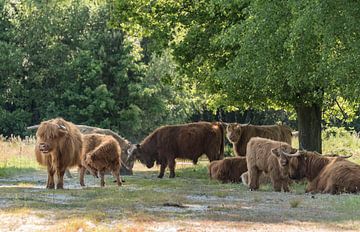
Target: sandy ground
pixel 198 211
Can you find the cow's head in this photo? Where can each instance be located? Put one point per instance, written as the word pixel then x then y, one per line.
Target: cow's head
pixel 292 162
pixel 49 135
pixel 234 131
pixel 137 152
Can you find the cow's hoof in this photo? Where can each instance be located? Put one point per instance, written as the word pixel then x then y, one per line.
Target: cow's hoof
pixel 60 187
pixel 160 176
pixel 50 186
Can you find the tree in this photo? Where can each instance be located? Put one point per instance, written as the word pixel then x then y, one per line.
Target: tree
pixel 298 54
pixel 264 54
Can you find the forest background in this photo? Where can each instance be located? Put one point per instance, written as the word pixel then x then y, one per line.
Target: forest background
pixel 132 66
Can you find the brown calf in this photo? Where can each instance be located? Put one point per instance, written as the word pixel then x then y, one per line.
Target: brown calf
pixel 228 170
pixel 260 159
pixel 100 153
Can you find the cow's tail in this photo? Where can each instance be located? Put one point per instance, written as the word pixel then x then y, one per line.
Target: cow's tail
pixel 222 146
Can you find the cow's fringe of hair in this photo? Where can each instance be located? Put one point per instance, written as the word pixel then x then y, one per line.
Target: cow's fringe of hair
pixel 314 163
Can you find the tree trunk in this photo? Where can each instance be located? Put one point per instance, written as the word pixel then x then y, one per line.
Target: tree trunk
pixel 309 124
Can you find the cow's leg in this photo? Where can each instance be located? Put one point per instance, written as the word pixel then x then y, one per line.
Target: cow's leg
pixel 102 176
pixel 60 175
pixel 253 176
pixel 50 181
pixel 330 188
pixel 276 181
pixel 285 185
pixel 82 173
pixel 116 174
pixel 162 168
pixel 172 167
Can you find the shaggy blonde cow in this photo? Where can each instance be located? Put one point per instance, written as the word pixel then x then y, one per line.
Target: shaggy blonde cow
pixel 260 159
pixel 58 146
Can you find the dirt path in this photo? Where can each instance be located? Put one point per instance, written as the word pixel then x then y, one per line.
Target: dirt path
pixel 187 203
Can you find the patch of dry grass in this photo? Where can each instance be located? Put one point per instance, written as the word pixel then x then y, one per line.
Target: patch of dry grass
pixel 17 156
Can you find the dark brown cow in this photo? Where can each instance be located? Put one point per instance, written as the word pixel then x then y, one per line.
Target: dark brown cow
pixel 260 159
pixel 240 134
pixel 58 146
pixel 100 153
pixel 324 174
pixel 186 141
pixel 228 170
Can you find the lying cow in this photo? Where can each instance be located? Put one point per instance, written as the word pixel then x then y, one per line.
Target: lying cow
pixel 185 141
pixel 240 134
pixel 260 159
pixel 228 170
pixel 324 174
pixel 100 153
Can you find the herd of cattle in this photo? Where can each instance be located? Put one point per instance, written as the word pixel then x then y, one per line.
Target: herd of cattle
pixel 263 155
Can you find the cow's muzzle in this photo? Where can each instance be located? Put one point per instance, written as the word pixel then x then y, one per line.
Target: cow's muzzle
pixel 44 148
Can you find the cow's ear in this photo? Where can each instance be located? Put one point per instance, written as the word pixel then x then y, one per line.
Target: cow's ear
pixel 276 151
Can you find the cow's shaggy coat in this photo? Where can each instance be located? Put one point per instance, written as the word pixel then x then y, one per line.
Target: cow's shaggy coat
pixel 263 179
pixel 240 134
pixel 228 170
pixel 324 174
pixel 260 159
pixel 100 153
pixel 185 141
pixel 58 146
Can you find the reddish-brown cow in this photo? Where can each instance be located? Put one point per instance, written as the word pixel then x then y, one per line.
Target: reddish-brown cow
pixel 58 146
pixel 186 141
pixel 324 174
pixel 100 153
pixel 240 134
pixel 228 170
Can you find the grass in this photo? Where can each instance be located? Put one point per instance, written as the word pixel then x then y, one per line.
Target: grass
pixel 17 156
pixel 294 203
pixel 139 204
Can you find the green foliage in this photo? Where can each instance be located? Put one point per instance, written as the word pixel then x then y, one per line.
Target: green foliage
pixel 63 59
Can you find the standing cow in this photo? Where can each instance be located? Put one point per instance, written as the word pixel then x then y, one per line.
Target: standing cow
pixel 186 141
pixel 260 159
pixel 324 174
pixel 100 153
pixel 240 134
pixel 58 146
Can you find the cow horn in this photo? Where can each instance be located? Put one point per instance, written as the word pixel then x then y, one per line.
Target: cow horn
pixel 62 127
pixel 32 127
pixel 338 156
pixel 248 123
pixel 292 155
